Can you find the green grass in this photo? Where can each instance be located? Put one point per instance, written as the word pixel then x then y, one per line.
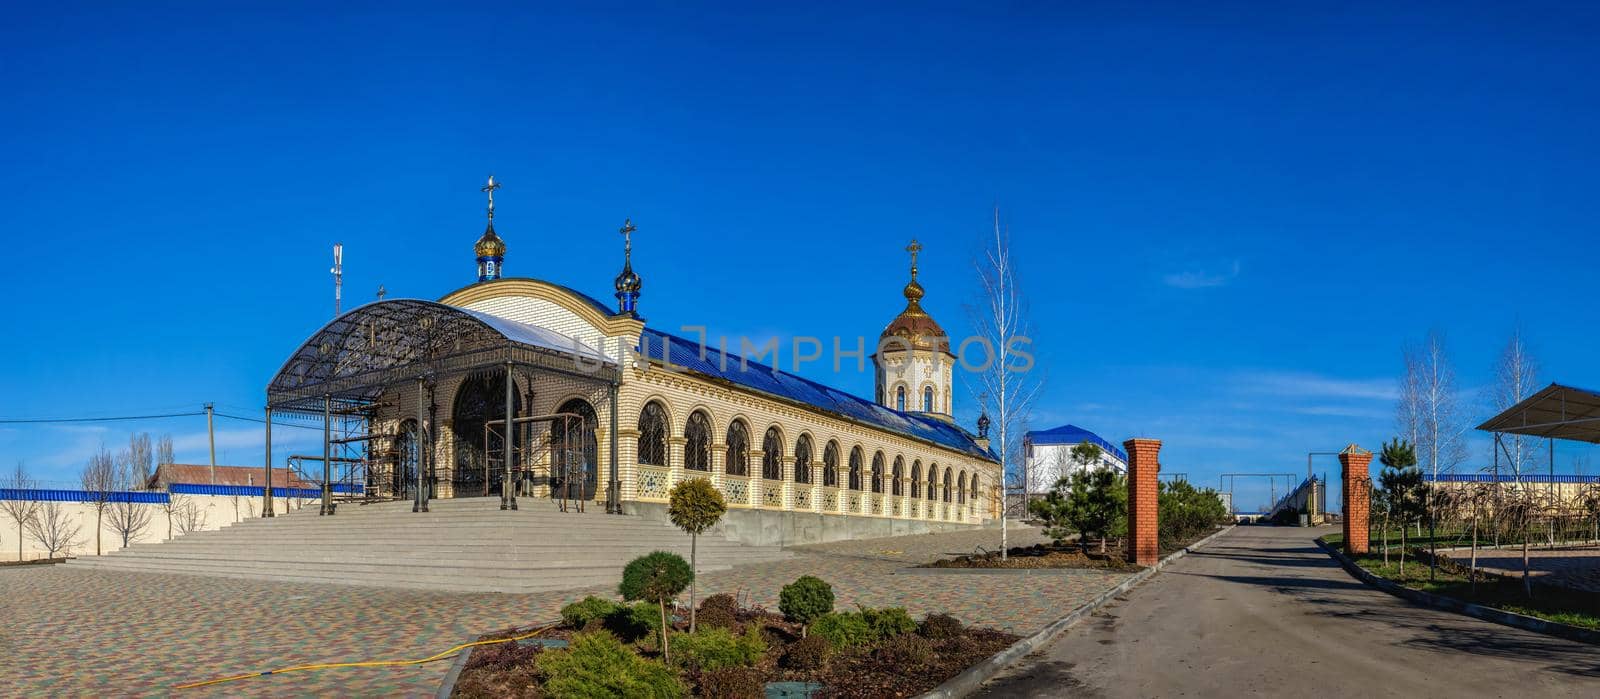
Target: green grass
pixel 1559 605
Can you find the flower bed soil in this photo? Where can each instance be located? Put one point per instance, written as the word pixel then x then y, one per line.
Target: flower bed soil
pixel 509 669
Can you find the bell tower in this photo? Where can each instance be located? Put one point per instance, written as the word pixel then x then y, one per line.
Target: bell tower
pixel 914 364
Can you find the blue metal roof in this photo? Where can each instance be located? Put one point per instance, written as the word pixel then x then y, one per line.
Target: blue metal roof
pixel 1512 478
pixel 1073 434
pixel 685 354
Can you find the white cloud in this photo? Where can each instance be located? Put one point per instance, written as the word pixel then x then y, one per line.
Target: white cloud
pixel 1200 278
pixel 1307 385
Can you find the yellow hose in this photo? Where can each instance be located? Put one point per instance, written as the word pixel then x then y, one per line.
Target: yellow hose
pixel 367 663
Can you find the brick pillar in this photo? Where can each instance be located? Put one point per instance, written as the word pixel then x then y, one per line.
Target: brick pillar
pixel 1354 463
pixel 1143 466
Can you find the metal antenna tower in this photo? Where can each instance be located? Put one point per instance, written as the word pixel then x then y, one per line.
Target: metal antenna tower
pixel 338 276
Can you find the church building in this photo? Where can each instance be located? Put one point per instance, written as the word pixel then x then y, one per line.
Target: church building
pixel 605 411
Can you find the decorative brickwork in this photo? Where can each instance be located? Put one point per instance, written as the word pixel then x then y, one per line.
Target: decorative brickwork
pixel 1144 465
pixel 1354 467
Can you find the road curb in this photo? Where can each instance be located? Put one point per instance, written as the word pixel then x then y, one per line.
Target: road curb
pixel 1451 604
pixel 969 680
pixel 447 686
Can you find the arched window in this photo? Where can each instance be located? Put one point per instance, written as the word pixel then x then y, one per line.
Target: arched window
pixel 927 399
pixel 772 455
pixel 972 485
pixel 961 488
pixel 479 399
pixel 855 468
pixel 697 442
pixel 830 465
pixel 947 488
pixel 916 479
pixel 404 477
pixel 895 488
pixel 933 480
pixel 802 459
pixel 574 450
pixel 877 472
pixel 653 434
pixel 738 450
pixel 900 398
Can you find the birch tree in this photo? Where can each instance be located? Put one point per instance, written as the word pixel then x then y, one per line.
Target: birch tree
pixel 23 509
pixel 1007 382
pixel 1514 377
pixel 1442 435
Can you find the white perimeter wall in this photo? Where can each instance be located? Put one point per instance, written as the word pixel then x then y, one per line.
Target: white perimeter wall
pixel 218 511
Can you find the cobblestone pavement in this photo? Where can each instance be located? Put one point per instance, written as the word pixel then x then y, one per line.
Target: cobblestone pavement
pixel 1577 568
pixel 68 631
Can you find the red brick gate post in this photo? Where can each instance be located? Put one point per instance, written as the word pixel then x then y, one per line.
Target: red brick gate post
pixel 1354 463
pixel 1143 466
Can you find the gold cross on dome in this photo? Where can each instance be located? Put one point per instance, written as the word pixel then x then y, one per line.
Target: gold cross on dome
pixel 489 189
pixel 627 230
pixel 914 248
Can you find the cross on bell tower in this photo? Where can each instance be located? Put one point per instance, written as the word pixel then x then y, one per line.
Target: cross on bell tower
pixel 491 250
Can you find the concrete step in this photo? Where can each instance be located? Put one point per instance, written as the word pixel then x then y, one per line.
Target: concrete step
pixel 513 558
pixel 478 570
pixel 431 583
pixel 462 545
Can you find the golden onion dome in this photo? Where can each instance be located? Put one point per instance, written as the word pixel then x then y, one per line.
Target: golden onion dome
pixel 490 245
pixel 914 325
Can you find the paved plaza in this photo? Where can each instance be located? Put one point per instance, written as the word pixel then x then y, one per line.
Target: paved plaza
pixel 1577 568
pixel 70 631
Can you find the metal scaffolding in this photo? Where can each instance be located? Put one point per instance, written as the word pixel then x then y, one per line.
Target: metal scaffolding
pixel 344 373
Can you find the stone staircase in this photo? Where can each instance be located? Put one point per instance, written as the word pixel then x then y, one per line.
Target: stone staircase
pixel 462 545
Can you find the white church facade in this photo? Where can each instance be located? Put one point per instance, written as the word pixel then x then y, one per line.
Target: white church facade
pixel 609 412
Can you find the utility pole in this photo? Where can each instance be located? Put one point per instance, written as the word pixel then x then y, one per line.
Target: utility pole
pixel 211 436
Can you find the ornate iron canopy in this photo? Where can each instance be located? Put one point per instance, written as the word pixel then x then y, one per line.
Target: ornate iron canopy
pixel 375 347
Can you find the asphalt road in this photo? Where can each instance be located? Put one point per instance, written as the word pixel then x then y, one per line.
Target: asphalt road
pixel 1262 610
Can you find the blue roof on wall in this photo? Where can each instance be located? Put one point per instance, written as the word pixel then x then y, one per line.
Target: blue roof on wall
pixel 685 354
pixel 1073 434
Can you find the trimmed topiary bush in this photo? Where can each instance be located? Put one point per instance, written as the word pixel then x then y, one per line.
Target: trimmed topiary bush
pixel 888 622
pixel 720 611
pixel 633 622
pixel 808 653
pixel 843 629
pixel 906 650
pixel 694 505
pixel 579 614
pixel 805 600
pixel 656 577
pixel 732 683
pixel 940 626
pixel 712 649
pixel 598 665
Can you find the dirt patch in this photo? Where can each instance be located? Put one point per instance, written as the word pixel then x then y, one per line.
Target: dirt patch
pixel 874 670
pixel 1066 555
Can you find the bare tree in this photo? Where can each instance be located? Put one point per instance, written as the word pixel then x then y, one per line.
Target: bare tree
pixel 54 529
pixel 190 517
pixel 1408 410
pixel 1515 375
pixel 140 456
pixel 23 509
pixel 127 517
pixel 1008 382
pixel 99 482
pixel 171 507
pixel 1441 439
pixel 164 450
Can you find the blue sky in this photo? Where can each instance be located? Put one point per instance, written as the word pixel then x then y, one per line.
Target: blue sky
pixel 1229 220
